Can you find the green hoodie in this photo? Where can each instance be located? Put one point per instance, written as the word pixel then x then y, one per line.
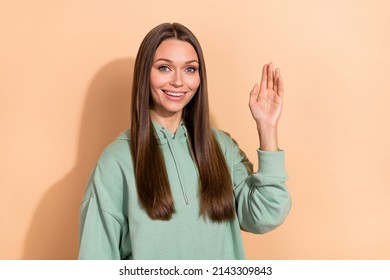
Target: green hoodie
pixel 114 226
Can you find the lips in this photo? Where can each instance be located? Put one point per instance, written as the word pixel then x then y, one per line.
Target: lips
pixel 174 94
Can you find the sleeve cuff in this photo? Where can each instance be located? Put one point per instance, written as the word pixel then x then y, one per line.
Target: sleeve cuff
pixel 271 163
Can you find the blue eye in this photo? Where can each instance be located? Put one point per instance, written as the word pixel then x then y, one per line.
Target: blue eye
pixel 163 68
pixel 191 69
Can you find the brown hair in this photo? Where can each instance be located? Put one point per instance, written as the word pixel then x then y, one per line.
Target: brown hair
pixel 154 192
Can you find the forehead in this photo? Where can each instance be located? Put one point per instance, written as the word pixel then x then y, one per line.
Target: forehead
pixel 176 50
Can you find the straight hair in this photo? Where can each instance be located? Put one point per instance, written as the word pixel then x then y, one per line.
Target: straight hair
pixel 153 188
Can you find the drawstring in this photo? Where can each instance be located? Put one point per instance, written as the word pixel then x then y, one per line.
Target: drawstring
pixel 176 165
pixel 190 148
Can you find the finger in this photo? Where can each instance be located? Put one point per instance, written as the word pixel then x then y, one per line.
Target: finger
pixel 280 90
pixel 270 74
pixel 253 95
pixel 277 75
pixel 263 83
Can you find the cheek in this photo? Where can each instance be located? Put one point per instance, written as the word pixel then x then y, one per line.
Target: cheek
pixel 194 83
pixel 157 80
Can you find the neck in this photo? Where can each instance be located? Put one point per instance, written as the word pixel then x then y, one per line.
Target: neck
pixel 170 122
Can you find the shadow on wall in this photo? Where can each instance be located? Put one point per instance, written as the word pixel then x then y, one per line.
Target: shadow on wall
pixel 54 230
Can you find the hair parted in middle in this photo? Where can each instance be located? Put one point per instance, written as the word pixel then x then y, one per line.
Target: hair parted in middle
pixel 154 192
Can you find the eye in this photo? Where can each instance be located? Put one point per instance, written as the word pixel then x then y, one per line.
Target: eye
pixel 163 68
pixel 191 69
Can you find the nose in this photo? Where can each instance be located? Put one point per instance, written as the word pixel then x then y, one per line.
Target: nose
pixel 177 80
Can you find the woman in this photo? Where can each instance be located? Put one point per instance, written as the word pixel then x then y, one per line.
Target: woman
pixel 171 187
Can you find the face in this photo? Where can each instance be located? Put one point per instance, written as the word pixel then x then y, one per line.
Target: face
pixel 174 78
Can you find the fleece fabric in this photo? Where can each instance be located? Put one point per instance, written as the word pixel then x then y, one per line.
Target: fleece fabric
pixel 114 226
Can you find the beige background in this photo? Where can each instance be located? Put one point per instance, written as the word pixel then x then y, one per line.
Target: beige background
pixel 65 77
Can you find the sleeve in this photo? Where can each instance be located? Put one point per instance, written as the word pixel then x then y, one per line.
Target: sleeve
pixel 103 225
pixel 262 198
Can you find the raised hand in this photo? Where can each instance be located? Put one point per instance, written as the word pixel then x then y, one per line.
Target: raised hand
pixel 266 104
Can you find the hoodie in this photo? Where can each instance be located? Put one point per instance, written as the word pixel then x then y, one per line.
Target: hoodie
pixel 114 226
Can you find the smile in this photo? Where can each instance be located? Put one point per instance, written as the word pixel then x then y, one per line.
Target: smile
pixel 174 94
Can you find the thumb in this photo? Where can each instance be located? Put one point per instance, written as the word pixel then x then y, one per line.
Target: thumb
pixel 253 95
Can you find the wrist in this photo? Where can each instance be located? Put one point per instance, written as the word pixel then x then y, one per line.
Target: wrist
pixel 266 126
pixel 268 138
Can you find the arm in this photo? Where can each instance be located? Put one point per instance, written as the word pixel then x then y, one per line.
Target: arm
pixel 103 225
pixel 262 199
pixel 100 233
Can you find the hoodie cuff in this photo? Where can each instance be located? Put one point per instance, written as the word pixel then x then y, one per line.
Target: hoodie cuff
pixel 271 163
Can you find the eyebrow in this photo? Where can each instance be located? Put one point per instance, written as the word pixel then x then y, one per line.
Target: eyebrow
pixel 170 61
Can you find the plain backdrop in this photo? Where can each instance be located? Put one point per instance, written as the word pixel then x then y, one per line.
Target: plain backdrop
pixel 65 77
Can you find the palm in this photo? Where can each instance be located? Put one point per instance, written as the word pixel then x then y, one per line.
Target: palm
pixel 266 103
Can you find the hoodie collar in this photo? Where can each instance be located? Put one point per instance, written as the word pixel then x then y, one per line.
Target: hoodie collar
pixel 164 134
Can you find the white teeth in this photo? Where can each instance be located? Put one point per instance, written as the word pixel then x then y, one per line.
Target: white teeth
pixel 175 94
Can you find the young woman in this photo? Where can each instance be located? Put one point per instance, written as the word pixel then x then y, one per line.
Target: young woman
pixel 171 187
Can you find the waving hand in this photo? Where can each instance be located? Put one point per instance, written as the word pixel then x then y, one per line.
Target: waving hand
pixel 266 102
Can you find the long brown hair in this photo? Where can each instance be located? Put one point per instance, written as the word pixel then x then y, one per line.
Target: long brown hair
pixel 154 192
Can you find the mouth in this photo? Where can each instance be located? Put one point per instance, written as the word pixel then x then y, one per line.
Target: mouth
pixel 173 94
